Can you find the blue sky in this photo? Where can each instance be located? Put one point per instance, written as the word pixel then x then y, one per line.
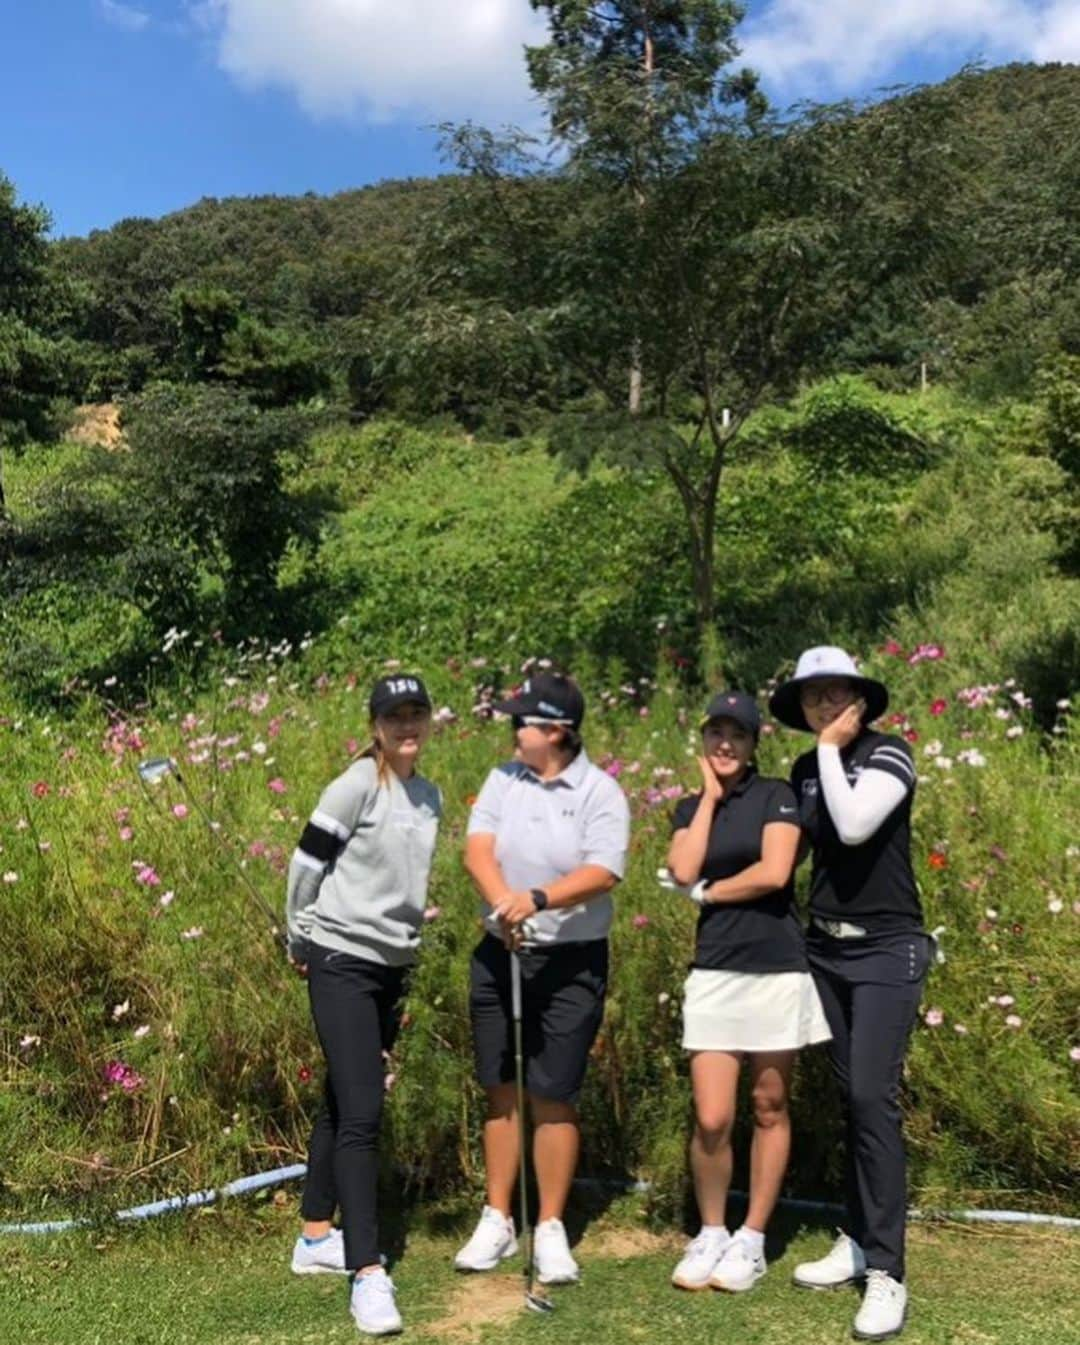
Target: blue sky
pixel 110 108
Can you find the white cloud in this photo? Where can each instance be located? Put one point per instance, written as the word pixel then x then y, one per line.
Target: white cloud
pixel 1059 34
pixel 834 46
pixel 421 59
pixel 123 16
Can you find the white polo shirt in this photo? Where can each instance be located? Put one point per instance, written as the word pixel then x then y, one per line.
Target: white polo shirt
pixel 545 829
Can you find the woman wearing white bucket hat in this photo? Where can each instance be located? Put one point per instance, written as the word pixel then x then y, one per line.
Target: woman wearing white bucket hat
pixel 868 953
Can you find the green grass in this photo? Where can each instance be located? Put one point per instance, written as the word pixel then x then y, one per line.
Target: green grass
pixel 223 1276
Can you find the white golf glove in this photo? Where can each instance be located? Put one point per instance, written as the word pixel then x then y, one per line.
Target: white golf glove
pixel 695 891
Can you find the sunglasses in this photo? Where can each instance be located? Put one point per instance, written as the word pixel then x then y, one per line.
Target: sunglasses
pixel 836 694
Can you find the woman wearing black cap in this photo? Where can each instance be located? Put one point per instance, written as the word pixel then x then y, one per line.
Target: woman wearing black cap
pixel 357 892
pixel 749 993
pixel 547 842
pixel 869 955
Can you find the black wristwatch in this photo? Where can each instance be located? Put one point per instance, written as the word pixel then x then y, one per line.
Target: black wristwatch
pixel 540 898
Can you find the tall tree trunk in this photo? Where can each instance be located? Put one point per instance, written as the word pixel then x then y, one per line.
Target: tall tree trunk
pixel 636 374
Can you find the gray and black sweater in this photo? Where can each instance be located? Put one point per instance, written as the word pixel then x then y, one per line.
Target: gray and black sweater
pixel 358 878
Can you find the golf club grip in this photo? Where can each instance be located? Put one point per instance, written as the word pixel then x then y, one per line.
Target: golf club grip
pixel 515 986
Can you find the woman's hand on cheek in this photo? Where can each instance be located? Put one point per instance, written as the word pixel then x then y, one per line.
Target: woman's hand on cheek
pixel 845 728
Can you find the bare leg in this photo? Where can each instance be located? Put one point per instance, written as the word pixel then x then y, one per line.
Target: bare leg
pixel 556 1145
pixel 771 1085
pixel 315 1228
pixel 501 1149
pixel 715 1076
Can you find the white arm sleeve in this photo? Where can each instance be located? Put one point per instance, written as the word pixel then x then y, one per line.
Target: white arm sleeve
pixel 857 811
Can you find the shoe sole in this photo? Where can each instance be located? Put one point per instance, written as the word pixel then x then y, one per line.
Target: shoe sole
pixel 689 1285
pixel 381 1331
pixel 743 1289
pixel 489 1265
pixel 881 1335
pixel 828 1288
pixel 559 1279
pixel 318 1270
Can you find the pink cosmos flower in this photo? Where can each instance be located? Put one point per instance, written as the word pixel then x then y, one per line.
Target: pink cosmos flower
pixel 180 811
pixel 939 707
pixel 146 874
pixel 641 921
pixel 125 833
pixel 1014 1021
pixel 1074 1054
pixel 277 785
pixel 432 913
pixel 934 1018
pixel 40 789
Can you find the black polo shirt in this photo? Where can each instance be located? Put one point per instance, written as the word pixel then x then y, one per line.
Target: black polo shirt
pixel 756 936
pixel 872 884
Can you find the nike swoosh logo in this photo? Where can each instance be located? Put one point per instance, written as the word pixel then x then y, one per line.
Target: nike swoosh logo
pixel 787 810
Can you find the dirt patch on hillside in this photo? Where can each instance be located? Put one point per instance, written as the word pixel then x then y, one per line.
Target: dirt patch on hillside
pixel 97 423
pixel 479 1301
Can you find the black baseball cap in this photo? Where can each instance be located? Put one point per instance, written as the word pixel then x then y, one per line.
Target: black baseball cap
pixel 390 692
pixel 551 697
pixel 736 705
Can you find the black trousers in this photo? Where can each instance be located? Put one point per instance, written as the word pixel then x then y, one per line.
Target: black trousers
pixel 870 990
pixel 355 1007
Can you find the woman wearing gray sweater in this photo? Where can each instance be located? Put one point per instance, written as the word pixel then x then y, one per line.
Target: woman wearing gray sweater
pixel 356 897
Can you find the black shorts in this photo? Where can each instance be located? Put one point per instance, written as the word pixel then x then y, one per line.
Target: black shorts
pixel 562 1005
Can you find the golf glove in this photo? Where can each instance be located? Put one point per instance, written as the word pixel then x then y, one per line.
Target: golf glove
pixel 695 891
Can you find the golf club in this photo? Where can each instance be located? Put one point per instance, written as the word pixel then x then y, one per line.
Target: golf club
pixel 534 1301
pixel 154 770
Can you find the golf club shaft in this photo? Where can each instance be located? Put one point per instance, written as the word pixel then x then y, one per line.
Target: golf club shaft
pixel 519 1072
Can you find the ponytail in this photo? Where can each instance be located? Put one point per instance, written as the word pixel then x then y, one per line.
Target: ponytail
pixel 374 752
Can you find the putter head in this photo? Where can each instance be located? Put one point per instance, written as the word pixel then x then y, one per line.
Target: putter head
pixel 537 1303
pixel 155 769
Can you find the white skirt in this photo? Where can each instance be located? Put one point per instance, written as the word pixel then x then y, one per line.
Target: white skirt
pixel 746 1011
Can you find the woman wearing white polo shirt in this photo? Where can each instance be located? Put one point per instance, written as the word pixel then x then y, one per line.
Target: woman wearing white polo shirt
pixel 869 955
pixel 749 994
pixel 547 842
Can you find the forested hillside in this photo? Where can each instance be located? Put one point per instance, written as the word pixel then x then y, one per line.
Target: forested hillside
pixel 327 268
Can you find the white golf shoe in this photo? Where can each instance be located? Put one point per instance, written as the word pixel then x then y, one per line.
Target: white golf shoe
pixel 883 1310
pixel 372 1305
pixel 492 1241
pixel 700 1259
pixel 740 1267
pixel 325 1257
pixel 551 1254
pixel 844 1263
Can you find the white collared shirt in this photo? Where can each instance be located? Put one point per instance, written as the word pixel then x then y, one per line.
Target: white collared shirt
pixel 545 829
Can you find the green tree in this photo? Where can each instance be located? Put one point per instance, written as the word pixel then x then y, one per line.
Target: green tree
pixel 205 479
pixel 719 251
pixel 32 362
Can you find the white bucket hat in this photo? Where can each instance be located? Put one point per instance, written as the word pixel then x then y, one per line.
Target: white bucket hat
pixel 820 662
